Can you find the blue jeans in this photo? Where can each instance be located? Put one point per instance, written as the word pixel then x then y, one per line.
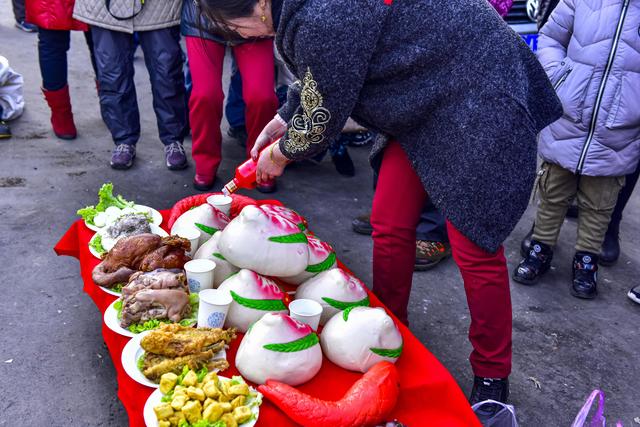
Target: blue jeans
pixel 52 54
pixel 431 226
pixel 235 104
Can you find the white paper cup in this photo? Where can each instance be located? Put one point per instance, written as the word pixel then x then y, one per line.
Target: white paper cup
pixel 221 202
pixel 306 311
pixel 193 236
pixel 213 308
pixel 199 274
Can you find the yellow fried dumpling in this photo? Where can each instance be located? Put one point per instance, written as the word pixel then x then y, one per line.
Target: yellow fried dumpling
pixel 192 411
pixel 226 406
pixel 238 390
pixel 167 382
pixel 195 393
pixel 163 411
pixel 211 376
pixel 211 390
pixel 242 414
pixel 212 412
pixel 229 420
pixel 190 379
pixel 164 423
pixel 238 401
pixel 179 401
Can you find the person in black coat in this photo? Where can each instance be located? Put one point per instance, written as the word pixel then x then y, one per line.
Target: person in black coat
pixel 459 107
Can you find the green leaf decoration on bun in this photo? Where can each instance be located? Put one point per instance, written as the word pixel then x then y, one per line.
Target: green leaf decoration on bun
pixel 206 228
pixel 324 265
pixel 259 304
pixel 388 352
pixel 293 346
pixel 343 305
pixel 290 238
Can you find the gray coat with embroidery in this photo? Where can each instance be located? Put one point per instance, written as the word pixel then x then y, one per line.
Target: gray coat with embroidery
pixel 155 15
pixel 464 98
pixel 591 52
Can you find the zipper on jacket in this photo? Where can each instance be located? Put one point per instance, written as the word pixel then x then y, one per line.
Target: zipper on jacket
pixel 562 79
pixel 603 85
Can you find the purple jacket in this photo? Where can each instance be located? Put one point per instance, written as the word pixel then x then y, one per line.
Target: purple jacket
pixel 502 6
pixel 590 50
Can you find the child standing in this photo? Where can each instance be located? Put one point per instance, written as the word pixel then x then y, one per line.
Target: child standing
pixel 591 52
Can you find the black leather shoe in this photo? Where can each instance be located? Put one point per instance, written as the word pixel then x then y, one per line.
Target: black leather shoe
pixel 534 265
pixel 526 242
pixel 5 130
pixel 610 251
pixel 489 389
pixel 634 294
pixel 585 272
pixel 343 163
pixel 362 225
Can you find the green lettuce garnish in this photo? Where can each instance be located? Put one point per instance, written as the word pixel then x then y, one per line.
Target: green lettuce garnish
pixel 202 373
pixel 96 244
pixel 136 328
pixel 105 200
pixel 140 362
pixel 185 371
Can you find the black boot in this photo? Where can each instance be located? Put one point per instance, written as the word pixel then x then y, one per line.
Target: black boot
pixel 610 251
pixel 585 271
pixel 526 242
pixel 534 265
pixel 489 388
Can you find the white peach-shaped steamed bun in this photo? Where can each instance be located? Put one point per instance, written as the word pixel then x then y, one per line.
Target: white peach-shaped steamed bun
pixel 253 296
pixel 322 257
pixel 204 218
pixel 335 290
pixel 286 213
pixel 209 250
pixel 359 337
pixel 264 242
pixel 280 348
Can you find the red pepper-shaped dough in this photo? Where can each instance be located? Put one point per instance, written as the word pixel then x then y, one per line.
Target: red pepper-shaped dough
pixel 369 401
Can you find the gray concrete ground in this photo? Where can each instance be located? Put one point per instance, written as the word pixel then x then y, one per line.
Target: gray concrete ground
pixel 55 369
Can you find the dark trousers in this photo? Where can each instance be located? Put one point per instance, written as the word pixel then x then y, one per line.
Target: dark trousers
pixel 234 109
pixel 118 102
pixel 623 198
pixel 53 46
pixel 18 10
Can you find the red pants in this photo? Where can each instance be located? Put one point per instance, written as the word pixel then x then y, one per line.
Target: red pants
pixel 397 204
pixel 255 63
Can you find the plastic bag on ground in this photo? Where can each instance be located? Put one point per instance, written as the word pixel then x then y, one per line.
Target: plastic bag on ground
pixel 506 417
pixel 11 99
pixel 598 419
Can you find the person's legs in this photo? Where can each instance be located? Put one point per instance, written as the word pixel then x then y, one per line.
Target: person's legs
pixel 255 62
pixel 205 105
pixel 118 102
pixel 163 57
pixel 432 244
pixel 52 55
pixel 89 40
pixel 18 10
pixel 394 230
pixel 486 283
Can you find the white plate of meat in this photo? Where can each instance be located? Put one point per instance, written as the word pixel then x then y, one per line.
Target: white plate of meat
pixel 113 323
pixel 174 341
pixel 108 218
pixel 107 243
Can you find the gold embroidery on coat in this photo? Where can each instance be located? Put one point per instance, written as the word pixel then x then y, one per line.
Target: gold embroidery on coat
pixel 308 127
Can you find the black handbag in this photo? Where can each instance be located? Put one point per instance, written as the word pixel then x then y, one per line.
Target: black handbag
pixel 107 3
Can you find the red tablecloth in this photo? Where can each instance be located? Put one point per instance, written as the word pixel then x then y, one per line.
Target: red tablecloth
pixel 429 396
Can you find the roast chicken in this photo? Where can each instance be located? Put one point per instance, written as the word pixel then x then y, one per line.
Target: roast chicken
pixel 143 252
pixel 159 294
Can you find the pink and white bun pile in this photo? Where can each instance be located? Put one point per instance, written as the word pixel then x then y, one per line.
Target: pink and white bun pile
pixel 262 241
pixel 335 290
pixel 322 257
pixel 358 338
pixel 209 250
pixel 280 348
pixel 204 218
pixel 253 296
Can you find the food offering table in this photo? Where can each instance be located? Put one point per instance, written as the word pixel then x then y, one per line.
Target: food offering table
pixel 429 396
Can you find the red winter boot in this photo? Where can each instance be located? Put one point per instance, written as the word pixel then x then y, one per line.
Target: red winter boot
pixel 61 115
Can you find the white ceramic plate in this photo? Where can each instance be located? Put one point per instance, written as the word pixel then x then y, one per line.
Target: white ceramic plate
pixel 111 291
pixel 133 351
pixel 155 215
pixel 150 417
pixel 113 323
pixel 108 243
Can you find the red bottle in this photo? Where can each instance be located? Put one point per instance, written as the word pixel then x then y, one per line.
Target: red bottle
pixel 245 178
